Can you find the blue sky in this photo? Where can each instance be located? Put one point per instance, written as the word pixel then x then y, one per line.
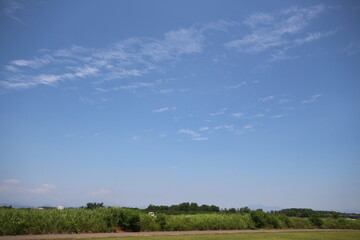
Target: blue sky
pixel 132 103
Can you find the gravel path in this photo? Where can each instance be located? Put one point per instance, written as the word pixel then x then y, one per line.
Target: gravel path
pixel 138 234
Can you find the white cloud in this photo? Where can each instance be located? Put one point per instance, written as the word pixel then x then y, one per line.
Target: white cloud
pixel 11 181
pixel 311 37
pixel 125 59
pixel 86 71
pixel 352 48
pixel 237 85
pixel 203 129
pixel 21 62
pixel 102 191
pixel 225 126
pixel 11 7
pixel 283 100
pixel 190 132
pixel 249 126
pixel 174 44
pixel 311 99
pixel 247 116
pixel 194 135
pixel 278 116
pixel 222 111
pixel 42 189
pixel 259 19
pixel 279 55
pixel 229 127
pixel 164 109
pixel 238 115
pixel 266 99
pixel 47 79
pixel 200 138
pixel 135 138
pixel 278 31
pixel 134 86
pixel 11 68
pixel 246 128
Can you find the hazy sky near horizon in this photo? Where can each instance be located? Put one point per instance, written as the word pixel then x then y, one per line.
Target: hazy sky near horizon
pixel 131 103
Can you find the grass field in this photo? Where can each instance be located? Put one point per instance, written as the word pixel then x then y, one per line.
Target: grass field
pixel 351 235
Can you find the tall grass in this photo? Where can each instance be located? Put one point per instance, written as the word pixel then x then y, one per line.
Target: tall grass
pixel 32 221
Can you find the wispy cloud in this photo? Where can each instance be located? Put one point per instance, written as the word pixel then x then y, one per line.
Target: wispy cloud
pixel 238 115
pixel 102 191
pixel 164 109
pixel 283 100
pixel 11 7
pixel 278 116
pixel 195 136
pixel 222 111
pixel 246 128
pixel 266 99
pixel 190 132
pixel 204 129
pixel 352 48
pixel 279 31
pixel 42 189
pixel 135 138
pixel 311 99
pixel 129 58
pixel 200 138
pixel 225 127
pixel 247 116
pixel 237 85
pixel 11 181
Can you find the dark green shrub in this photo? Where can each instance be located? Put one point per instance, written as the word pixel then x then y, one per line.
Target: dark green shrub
pixel 316 221
pixel 161 219
pixel 259 218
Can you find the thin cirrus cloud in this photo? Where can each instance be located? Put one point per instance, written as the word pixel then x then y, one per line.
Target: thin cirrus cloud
pixel 311 99
pixel 195 136
pixel 11 181
pixel 164 109
pixel 11 7
pixel 203 129
pixel 266 99
pixel 42 189
pixel 221 112
pixel 247 116
pixel 279 31
pixel 128 58
pixel 136 57
pixel 102 191
pixel 237 85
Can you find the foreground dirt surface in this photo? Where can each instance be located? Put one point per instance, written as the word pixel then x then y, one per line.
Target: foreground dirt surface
pixel 139 234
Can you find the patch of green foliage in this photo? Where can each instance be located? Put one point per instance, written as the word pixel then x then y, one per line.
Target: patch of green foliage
pixel 33 221
pixel 96 218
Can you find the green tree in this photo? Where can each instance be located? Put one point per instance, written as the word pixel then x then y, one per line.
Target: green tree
pixel 316 220
pixel 94 205
pixel 245 210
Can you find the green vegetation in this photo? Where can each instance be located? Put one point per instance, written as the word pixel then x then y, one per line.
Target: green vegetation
pixel 353 235
pixel 183 208
pixel 97 218
pixel 94 205
pixel 33 221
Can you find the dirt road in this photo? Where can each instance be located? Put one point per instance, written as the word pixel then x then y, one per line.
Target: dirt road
pixel 138 234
